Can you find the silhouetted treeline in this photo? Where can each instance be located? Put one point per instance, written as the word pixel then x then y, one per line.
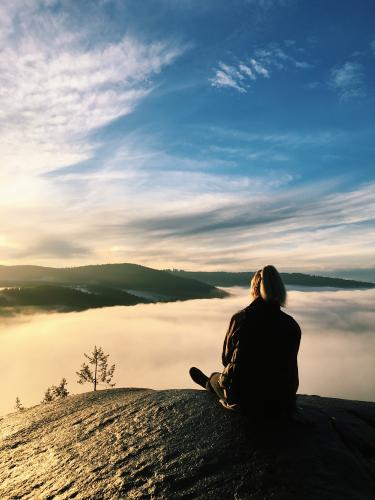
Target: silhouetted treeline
pixel 66 297
pixel 228 279
pixel 124 276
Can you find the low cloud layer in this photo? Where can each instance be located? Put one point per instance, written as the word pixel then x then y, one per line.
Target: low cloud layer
pixel 154 345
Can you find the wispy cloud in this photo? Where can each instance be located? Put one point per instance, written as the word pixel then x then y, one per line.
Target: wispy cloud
pixel 304 227
pixel 56 247
pixel 258 68
pixel 247 70
pixel 230 76
pixel 250 153
pixel 348 80
pixel 186 217
pixel 133 209
pixel 56 87
pixel 279 230
pixel 274 55
pixel 267 4
pixel 261 64
pixel 253 208
pixel 147 198
pixel 293 139
pixel 60 80
pixel 302 64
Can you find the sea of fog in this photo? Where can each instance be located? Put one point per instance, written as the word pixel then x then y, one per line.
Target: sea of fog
pixel 154 345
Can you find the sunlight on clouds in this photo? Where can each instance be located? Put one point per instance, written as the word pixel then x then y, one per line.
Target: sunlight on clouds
pixel 191 218
pixel 154 345
pixel 310 232
pixel 55 89
pixel 237 201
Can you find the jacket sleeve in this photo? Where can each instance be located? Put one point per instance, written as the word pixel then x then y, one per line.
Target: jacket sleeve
pixel 296 349
pixel 228 342
pixel 228 378
pixel 231 337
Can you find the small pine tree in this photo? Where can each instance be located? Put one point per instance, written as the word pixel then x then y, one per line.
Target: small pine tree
pixel 60 391
pixel 48 396
pixel 56 392
pixel 100 372
pixel 18 406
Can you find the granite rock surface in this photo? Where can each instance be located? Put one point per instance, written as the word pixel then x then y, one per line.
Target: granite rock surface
pixel 171 444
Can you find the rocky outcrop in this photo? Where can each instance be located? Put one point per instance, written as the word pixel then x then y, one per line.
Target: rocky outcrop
pixel 140 443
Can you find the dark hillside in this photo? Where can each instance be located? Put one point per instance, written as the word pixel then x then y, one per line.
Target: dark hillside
pixel 227 279
pixel 79 288
pixel 123 276
pixel 66 298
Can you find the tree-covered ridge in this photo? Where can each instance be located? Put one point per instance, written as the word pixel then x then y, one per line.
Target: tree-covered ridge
pixel 63 298
pixel 228 279
pixel 125 276
pixel 86 287
pixel 80 288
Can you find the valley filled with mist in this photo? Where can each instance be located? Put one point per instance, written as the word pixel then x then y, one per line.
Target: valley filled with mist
pixel 38 288
pixel 154 344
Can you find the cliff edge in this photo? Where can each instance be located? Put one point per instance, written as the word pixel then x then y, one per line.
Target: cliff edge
pixel 140 443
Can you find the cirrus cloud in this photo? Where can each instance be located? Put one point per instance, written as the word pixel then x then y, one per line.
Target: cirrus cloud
pixel 56 87
pixel 348 80
pixel 263 61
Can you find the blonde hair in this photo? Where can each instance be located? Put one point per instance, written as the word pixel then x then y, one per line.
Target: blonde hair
pixel 267 283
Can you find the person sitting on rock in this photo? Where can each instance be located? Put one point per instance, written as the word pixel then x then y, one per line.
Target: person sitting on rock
pixel 260 375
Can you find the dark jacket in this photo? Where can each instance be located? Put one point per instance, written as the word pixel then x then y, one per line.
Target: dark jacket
pixel 260 359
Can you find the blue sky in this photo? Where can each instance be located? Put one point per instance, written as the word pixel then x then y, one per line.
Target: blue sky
pixel 193 134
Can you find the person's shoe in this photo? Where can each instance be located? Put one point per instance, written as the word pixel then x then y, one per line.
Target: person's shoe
pixel 198 376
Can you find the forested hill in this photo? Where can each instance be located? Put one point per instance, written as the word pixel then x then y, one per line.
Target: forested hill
pixel 79 288
pixel 125 276
pixel 227 279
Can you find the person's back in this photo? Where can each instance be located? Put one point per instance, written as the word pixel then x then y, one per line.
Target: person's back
pixel 260 375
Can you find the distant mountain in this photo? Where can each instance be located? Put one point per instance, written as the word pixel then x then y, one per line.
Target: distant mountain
pixel 79 288
pixel 367 274
pixel 63 298
pixel 84 287
pixel 227 279
pixel 124 276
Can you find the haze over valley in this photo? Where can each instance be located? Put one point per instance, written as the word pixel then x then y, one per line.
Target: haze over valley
pixel 75 289
pixel 153 345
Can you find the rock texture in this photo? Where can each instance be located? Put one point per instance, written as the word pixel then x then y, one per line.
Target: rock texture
pixel 139 443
